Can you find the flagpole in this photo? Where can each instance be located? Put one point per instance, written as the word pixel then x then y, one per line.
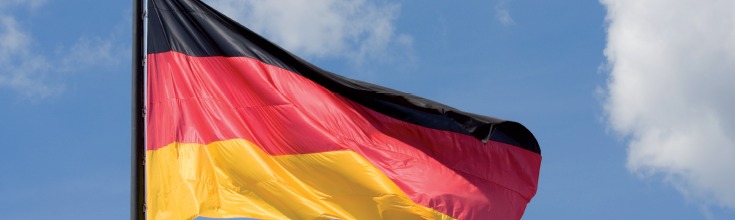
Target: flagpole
pixel 137 154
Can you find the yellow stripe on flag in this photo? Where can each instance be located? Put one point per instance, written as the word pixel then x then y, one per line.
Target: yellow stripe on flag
pixel 235 178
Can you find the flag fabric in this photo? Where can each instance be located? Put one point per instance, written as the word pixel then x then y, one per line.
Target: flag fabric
pixel 238 127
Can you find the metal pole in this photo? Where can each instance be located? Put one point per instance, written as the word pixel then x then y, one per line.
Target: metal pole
pixel 137 172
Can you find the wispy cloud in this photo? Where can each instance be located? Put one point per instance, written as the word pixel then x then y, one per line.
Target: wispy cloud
pixel 502 12
pixel 671 92
pixel 359 29
pixel 32 4
pixel 20 70
pixel 92 52
pixel 36 76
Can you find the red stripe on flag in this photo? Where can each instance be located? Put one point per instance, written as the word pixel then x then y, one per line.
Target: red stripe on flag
pixel 208 99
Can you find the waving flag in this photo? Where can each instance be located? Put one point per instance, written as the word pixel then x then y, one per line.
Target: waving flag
pixel 238 127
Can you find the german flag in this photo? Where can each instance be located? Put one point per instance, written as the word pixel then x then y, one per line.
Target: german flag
pixel 239 127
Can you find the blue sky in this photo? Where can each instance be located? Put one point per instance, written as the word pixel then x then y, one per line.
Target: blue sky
pixel 630 100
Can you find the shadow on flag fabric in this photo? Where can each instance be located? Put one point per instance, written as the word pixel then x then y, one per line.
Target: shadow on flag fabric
pixel 239 127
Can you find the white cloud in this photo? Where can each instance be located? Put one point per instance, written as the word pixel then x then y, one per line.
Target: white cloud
pixel 12 40
pixel 671 91
pixel 33 75
pixel 92 51
pixel 357 29
pixel 19 69
pixel 503 13
pixel 30 3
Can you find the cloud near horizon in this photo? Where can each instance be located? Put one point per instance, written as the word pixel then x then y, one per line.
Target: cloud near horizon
pixel 358 29
pixel 671 92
